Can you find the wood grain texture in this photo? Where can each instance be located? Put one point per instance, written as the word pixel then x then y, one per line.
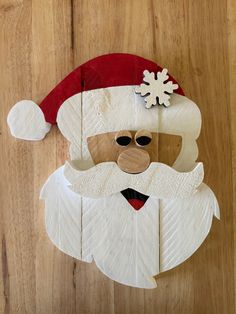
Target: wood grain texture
pixel 42 41
pixel 103 147
pixel 133 160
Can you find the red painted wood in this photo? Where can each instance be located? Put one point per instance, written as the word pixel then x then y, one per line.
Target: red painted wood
pixel 136 203
pixel 117 69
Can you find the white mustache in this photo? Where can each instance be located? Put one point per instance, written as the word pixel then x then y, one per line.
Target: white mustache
pixel 158 180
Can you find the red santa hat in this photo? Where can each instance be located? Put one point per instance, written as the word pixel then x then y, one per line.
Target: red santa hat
pixel 31 122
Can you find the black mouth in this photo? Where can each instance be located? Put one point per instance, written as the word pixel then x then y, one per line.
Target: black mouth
pixel 135 199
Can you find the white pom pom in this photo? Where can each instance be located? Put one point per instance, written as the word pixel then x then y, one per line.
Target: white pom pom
pixel 26 121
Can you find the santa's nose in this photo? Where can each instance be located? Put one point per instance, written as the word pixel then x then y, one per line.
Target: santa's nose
pixel 133 160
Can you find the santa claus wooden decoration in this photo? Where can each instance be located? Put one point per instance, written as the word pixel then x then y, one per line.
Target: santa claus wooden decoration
pixel 119 200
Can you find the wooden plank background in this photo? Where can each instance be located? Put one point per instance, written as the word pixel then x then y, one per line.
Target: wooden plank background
pixel 43 40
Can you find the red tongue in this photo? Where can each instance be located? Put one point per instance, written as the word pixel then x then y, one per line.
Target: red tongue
pixel 135 203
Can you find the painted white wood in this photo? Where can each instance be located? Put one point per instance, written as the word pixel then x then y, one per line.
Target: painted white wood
pixel 156 89
pixel 119 108
pixel 26 121
pixel 127 245
pixel 159 180
pixel 69 122
pixel 62 214
pixel 124 243
pixel 184 225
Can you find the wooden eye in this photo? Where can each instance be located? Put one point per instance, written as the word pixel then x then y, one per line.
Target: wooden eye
pixel 123 138
pixel 143 138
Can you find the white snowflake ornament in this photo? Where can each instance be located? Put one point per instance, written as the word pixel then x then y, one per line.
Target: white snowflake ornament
pixel 156 88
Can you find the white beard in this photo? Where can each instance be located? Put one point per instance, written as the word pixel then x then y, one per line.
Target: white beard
pixel 128 246
pixel 158 180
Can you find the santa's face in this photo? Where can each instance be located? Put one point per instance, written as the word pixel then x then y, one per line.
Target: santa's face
pixel 133 151
pixel 128 233
pixel 93 202
pixel 138 203
pixel 138 193
pixel 128 162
